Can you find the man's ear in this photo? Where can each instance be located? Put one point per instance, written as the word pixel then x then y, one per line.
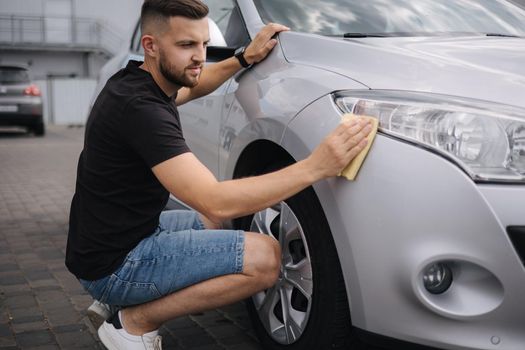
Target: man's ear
pixel 149 44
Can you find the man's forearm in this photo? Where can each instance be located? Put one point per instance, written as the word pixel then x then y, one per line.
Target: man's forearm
pixel 213 76
pixel 240 197
pixel 235 198
pixel 190 181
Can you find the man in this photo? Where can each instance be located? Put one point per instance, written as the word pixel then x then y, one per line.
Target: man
pixel 162 266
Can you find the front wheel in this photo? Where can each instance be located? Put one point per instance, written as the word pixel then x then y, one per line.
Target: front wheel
pixel 307 308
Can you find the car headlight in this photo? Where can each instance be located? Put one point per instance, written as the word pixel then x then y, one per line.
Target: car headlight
pixel 487 140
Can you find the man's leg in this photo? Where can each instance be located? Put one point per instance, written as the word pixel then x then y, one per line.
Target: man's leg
pixel 261 265
pixel 172 220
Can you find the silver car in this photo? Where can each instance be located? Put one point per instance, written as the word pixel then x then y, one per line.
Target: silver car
pixel 427 246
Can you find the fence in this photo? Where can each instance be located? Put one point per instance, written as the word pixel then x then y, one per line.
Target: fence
pixel 55 32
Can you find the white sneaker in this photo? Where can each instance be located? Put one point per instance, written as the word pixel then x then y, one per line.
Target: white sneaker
pixel 115 337
pixel 99 312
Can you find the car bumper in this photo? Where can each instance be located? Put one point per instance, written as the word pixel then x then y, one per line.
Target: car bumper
pixel 409 208
pixel 413 208
pixel 20 114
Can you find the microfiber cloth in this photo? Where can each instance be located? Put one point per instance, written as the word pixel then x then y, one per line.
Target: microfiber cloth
pixel 350 171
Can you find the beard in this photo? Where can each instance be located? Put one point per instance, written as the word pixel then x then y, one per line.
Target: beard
pixel 171 74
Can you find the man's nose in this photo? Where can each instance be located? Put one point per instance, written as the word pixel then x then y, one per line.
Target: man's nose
pixel 200 55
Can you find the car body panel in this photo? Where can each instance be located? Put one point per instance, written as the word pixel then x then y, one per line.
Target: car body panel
pixel 259 106
pixel 491 69
pixel 251 17
pixel 201 124
pixel 507 202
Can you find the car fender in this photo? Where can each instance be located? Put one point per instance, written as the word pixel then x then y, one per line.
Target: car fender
pixel 263 100
pixel 297 141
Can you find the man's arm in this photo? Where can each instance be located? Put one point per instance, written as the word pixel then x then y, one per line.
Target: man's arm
pixel 214 75
pixel 190 181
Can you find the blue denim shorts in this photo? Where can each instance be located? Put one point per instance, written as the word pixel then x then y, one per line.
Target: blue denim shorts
pixel 180 253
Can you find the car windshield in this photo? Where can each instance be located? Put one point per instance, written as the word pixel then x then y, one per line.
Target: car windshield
pixel 13 75
pixel 396 17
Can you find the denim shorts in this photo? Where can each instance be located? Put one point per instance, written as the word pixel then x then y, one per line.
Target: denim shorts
pixel 180 253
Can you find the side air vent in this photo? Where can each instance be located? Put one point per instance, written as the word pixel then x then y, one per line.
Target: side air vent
pixel 517 236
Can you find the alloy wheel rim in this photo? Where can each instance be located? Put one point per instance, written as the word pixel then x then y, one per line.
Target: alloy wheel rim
pixel 284 309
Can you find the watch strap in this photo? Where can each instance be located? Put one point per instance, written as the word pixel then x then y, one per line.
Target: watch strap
pixel 240 56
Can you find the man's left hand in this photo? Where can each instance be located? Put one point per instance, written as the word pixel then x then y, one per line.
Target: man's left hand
pixel 263 43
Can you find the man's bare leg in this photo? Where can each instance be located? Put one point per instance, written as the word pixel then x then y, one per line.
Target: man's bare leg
pixel 260 271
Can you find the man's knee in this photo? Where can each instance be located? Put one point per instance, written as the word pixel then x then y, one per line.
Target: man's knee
pixel 262 258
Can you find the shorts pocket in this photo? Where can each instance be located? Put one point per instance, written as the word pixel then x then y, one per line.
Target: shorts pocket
pixel 127 293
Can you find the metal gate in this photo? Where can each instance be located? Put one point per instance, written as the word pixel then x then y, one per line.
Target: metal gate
pixel 67 100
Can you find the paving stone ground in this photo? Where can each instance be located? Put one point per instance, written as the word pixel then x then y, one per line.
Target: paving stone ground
pixel 42 306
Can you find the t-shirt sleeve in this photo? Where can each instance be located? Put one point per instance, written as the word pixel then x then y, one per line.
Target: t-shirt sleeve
pixel 152 129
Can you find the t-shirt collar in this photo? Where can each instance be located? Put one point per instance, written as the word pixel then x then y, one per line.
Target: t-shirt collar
pixel 134 67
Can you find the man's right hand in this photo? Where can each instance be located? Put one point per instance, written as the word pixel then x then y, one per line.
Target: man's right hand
pixel 339 148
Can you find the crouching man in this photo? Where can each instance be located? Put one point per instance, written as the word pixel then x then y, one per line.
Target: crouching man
pixel 161 265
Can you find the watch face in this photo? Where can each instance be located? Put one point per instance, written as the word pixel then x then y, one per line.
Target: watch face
pixel 239 51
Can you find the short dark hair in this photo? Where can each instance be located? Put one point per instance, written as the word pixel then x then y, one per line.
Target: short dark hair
pixel 160 11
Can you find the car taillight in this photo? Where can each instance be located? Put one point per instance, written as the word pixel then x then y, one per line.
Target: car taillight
pixel 32 90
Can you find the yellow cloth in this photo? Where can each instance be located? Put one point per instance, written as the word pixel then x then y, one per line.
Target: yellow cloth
pixel 350 171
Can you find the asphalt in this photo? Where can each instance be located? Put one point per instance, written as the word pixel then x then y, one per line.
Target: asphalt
pixel 42 305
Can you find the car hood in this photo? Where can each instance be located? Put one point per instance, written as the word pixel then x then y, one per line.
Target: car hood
pixel 486 68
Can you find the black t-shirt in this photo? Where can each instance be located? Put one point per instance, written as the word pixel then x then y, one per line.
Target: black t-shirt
pixel 132 127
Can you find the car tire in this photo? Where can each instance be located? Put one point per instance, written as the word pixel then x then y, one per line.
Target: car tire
pixel 328 324
pixel 39 129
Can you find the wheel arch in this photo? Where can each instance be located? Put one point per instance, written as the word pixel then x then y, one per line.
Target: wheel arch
pixel 256 158
pixel 259 156
pixel 301 136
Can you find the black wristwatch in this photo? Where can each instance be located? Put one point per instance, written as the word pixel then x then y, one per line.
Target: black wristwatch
pixel 239 54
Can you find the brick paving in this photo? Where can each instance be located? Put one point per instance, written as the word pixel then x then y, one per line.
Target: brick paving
pixel 42 306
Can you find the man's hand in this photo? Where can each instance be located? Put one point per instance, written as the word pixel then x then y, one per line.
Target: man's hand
pixel 339 148
pixel 263 43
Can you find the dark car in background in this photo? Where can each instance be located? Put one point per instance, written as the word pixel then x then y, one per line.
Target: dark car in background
pixel 20 100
